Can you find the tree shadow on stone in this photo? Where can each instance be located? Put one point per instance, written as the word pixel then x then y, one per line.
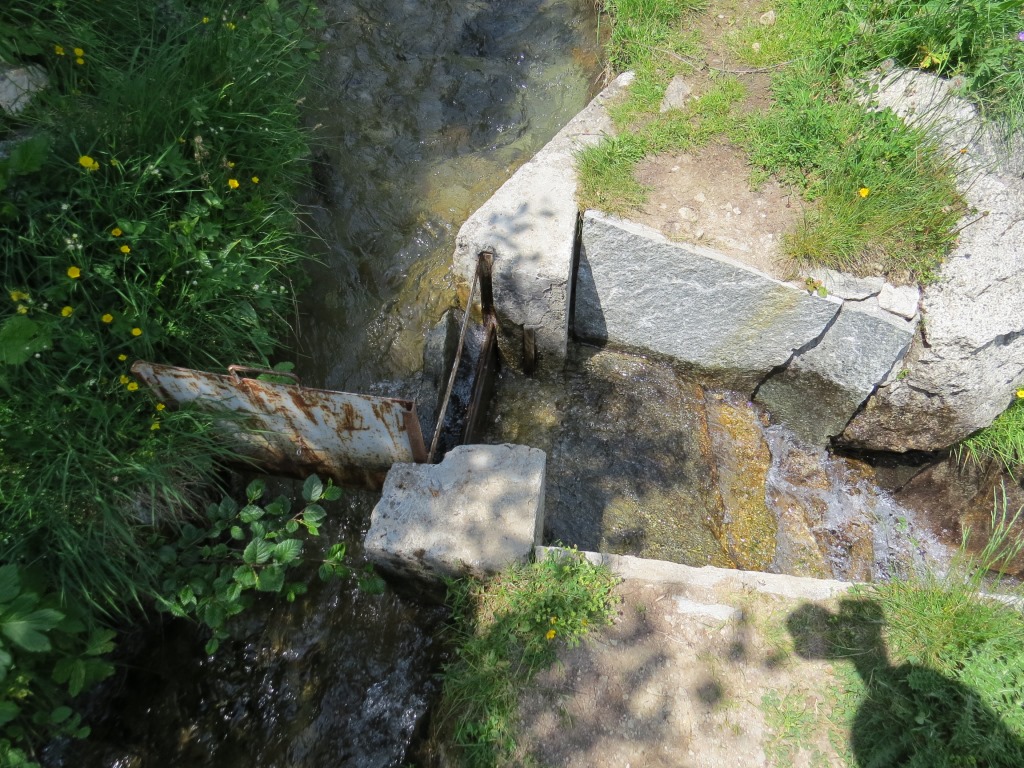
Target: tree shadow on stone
pixel 911 715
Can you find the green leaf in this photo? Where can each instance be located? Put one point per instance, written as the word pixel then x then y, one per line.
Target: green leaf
pixel 255 490
pixel 211 646
pixel 26 630
pixel 251 513
pixel 8 711
pixel 331 493
pixel 291 526
pixel 313 514
pixel 60 714
pixel 312 489
pixel 237 533
pixel 20 338
pixel 287 551
pixel 10 583
pixel 244 576
pixel 257 551
pixel 271 579
pixel 29 155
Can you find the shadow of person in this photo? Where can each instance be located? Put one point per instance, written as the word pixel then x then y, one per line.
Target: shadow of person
pixel 910 715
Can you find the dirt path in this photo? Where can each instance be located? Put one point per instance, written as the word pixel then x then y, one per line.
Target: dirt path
pixel 688 676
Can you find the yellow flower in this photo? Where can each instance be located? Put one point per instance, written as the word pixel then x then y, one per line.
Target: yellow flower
pixel 255 179
pixel 107 318
pixel 206 19
pixel 79 52
pixel 132 386
pixel 1020 394
pixel 116 232
pixel 554 619
pixel 233 183
pixel 59 50
pixel 136 331
pixel 230 164
pixel 122 357
pixel 19 296
pixel 125 249
pixel 124 379
pixel 550 635
pixel 74 273
pixel 155 425
pixel 79 61
pixel 67 311
pixel 229 25
pixel 22 309
pixel 160 406
pixel 88 163
pixel 863 191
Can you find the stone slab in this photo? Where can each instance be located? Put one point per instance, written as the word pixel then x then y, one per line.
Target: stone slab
pixel 17 86
pixel 821 389
pixel 479 510
pixel 846 286
pixel 636 289
pixel 530 224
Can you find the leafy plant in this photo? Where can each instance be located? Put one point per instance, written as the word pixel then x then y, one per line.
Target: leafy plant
pixel 1002 440
pixel 213 569
pixel 48 655
pixel 507 629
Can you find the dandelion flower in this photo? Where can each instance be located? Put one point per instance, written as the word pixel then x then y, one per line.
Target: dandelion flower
pixel 132 386
pixel 550 634
pixel 255 179
pixel 233 183
pixel 107 318
pixel 59 50
pixel 863 191
pixel 136 331
pixel 67 311
pixel 160 406
pixel 122 357
pixel 19 296
pixel 125 249
pixel 74 273
pixel 79 61
pixel 22 309
pixel 79 52
pixel 1020 394
pixel 231 164
pixel 206 19
pixel 124 379
pixel 554 619
pixel 116 232
pixel 88 163
pixel 229 25
pixel 155 425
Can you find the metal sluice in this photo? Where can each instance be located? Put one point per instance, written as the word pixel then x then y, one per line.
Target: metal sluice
pixel 290 429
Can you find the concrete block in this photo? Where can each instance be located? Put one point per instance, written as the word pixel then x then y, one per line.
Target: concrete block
pixel 476 512
pixel 530 224
pixel 636 289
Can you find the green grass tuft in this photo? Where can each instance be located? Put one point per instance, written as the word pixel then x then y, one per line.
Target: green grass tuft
pixel 1002 440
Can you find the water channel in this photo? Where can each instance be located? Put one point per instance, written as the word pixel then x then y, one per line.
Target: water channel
pixel 424 108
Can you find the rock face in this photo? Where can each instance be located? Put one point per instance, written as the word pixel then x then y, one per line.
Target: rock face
pixel 961 372
pixel 637 289
pixel 530 224
pixel 477 511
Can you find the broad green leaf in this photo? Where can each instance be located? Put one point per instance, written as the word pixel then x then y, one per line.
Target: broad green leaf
pixel 271 579
pixel 331 493
pixel 8 711
pixel 256 552
pixel 101 641
pixel 287 551
pixel 251 513
pixel 245 576
pixel 25 630
pixel 20 338
pixel 10 583
pixel 237 533
pixel 313 514
pixel 60 714
pixel 312 489
pixel 211 646
pixel 255 490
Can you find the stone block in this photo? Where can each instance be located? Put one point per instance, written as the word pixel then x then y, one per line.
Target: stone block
pixel 476 512
pixel 900 300
pixel 822 387
pixel 17 86
pixel 636 289
pixel 530 225
pixel 846 286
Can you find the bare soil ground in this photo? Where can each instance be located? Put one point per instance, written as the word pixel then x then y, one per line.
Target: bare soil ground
pixel 706 197
pixel 686 678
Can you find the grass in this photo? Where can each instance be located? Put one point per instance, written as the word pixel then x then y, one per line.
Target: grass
pixel 147 213
pixel 927 671
pixel 506 631
pixel 882 197
pixel 1002 440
